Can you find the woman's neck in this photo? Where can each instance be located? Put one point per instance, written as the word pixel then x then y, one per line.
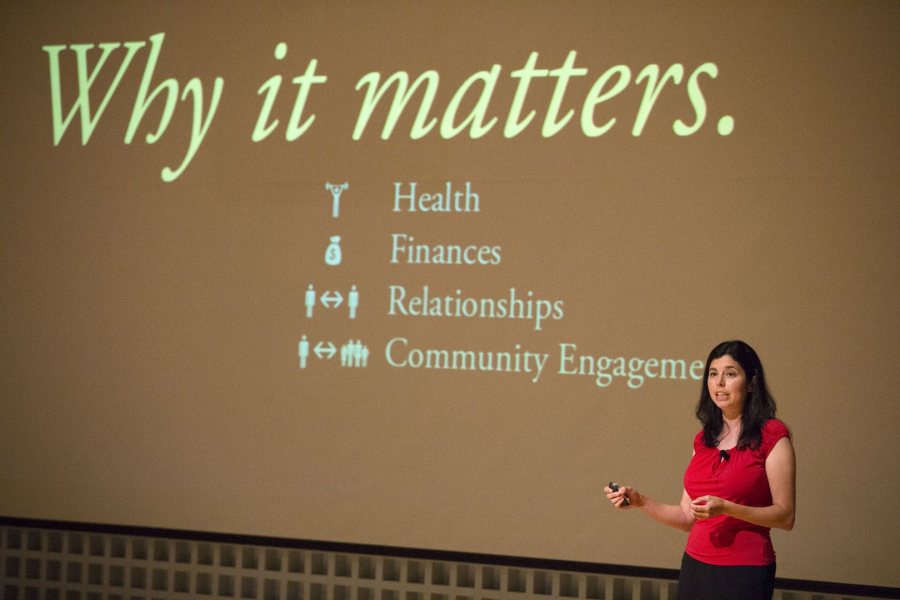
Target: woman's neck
pixel 732 423
pixel 731 431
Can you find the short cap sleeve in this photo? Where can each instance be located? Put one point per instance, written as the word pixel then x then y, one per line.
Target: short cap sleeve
pixel 773 430
pixel 698 442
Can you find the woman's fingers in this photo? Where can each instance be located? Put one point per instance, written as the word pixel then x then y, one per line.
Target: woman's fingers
pixel 700 507
pixel 619 497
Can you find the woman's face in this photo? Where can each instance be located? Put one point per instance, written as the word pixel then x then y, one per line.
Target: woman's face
pixel 727 384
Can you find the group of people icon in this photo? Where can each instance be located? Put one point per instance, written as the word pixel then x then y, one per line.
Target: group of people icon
pixel 354 354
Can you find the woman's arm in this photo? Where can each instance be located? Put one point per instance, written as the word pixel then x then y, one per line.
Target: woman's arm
pixel 673 515
pixel 781 471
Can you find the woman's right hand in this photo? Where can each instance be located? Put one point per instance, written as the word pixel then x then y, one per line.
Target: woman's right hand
pixel 626 497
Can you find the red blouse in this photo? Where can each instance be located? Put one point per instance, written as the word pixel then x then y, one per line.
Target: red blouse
pixel 724 540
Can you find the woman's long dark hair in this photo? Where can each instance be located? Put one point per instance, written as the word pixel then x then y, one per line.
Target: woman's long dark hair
pixel 759 405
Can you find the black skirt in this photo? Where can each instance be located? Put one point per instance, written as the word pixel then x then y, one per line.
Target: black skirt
pixel 700 581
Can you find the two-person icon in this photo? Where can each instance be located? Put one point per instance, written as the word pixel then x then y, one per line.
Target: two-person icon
pixel 330 300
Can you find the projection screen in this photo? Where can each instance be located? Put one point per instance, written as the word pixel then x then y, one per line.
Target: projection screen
pixel 428 274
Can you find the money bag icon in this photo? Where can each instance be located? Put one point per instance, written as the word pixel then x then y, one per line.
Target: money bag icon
pixel 333 252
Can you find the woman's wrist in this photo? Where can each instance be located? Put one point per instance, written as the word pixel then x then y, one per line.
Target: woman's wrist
pixel 637 499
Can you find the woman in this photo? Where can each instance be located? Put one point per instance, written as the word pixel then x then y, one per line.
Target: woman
pixel 739 484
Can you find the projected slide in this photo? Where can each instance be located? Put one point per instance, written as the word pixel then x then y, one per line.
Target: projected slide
pixel 519 311
pixel 428 275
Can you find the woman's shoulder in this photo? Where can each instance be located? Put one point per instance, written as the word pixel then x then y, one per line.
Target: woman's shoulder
pixel 776 427
pixel 698 441
pixel 772 431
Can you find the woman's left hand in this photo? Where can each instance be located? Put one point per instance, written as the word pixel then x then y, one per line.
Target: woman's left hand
pixel 705 507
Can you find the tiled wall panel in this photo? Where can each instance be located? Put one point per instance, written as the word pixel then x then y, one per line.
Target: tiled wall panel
pixel 49 564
